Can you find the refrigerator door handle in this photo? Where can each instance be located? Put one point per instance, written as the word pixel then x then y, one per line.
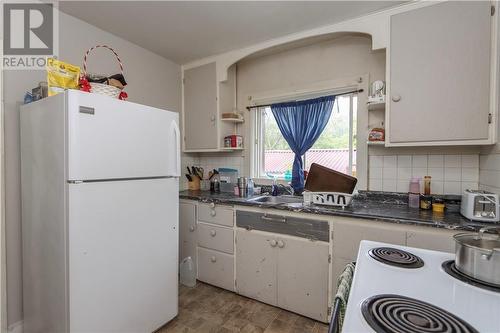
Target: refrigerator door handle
pixel 177 146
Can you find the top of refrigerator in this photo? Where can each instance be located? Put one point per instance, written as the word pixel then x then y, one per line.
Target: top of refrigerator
pixel 106 138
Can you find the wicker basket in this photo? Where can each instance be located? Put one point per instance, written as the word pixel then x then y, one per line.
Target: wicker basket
pixel 101 88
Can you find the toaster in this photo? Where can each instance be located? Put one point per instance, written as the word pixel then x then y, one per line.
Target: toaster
pixel 480 206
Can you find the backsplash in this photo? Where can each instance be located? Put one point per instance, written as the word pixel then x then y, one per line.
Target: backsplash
pixel 489 177
pixel 451 174
pixel 209 162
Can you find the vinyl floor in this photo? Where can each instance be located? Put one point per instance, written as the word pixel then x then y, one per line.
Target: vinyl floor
pixel 208 309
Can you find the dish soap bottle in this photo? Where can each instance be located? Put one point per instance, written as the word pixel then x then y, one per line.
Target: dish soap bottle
pixel 250 187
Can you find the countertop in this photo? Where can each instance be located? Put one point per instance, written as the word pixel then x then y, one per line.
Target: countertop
pixel 376 206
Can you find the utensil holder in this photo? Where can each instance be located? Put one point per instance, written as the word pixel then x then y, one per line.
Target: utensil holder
pixel 194 185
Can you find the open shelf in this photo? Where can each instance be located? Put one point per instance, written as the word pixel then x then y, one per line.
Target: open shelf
pixel 376 106
pixel 232 149
pixel 375 143
pixel 233 120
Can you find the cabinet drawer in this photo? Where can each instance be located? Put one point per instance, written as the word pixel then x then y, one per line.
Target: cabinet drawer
pixel 216 238
pixel 212 213
pixel 286 225
pixel 216 268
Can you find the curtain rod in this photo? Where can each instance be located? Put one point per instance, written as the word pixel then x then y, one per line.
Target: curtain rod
pixel 345 93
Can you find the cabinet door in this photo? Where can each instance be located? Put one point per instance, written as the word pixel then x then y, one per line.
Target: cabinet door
pixel 440 74
pixel 303 276
pixel 200 108
pixel 431 239
pixel 256 265
pixel 187 231
pixel 349 232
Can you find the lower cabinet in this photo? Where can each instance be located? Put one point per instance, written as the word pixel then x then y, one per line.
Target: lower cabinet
pixel 278 270
pixel 187 231
pixel 349 232
pixel 431 238
pixel 216 268
pixel 256 265
pixel 303 276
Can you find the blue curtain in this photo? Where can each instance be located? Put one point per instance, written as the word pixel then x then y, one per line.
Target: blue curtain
pixel 301 123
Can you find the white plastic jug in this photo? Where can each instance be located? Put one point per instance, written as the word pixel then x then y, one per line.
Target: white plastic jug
pixel 188 275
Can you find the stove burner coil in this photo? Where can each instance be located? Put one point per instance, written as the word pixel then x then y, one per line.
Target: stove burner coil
pixel 450 268
pixel 400 314
pixel 396 257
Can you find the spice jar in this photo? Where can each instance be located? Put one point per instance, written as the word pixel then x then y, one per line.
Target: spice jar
pixel 425 202
pixel 438 206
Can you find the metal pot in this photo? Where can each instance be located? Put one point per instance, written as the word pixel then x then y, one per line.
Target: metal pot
pixel 478 255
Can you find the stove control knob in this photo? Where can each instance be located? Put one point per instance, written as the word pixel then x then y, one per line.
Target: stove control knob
pixel 273 243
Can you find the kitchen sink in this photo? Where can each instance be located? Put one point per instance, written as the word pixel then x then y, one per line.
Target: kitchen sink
pixel 277 200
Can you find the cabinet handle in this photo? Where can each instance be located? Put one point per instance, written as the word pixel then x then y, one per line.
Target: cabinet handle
pixel 212 205
pixel 213 259
pixel 191 228
pixel 273 219
pixel 396 98
pixel 213 233
pixel 273 243
pixel 212 212
pixel 281 244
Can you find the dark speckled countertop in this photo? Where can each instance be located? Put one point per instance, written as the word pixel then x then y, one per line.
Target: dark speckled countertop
pixel 376 206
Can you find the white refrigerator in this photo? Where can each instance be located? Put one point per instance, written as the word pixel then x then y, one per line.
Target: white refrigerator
pixel 99 214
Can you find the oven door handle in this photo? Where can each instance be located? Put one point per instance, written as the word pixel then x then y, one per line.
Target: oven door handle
pixel 335 320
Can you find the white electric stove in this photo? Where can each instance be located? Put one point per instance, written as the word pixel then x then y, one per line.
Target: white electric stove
pixel 411 291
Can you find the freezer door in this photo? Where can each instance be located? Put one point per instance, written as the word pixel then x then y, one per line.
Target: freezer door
pixel 123 255
pixel 109 139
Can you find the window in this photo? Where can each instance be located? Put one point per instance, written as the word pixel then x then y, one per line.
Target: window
pixel 335 148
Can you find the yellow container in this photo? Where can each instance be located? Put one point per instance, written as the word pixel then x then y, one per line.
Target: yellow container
pixel 438 207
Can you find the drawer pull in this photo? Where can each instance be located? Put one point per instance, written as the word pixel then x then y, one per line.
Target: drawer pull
pixel 213 259
pixel 273 243
pixel 281 244
pixel 273 219
pixel 191 228
pixel 212 212
pixel 213 233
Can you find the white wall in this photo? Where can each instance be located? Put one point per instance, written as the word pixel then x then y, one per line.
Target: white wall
pixel 332 59
pixel 152 80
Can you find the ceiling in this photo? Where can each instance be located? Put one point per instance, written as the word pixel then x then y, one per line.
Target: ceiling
pixel 183 31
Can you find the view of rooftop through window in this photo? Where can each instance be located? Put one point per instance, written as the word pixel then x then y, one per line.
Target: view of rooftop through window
pixel 332 149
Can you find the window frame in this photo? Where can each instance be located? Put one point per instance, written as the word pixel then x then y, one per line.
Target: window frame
pixel 258 151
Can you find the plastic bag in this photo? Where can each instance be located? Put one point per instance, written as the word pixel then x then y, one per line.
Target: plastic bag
pixel 61 76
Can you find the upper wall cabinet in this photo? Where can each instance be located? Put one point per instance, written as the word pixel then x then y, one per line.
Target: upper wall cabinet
pixel 441 87
pixel 204 101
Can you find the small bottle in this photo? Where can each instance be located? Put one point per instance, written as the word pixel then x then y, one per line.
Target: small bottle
pixel 216 186
pixel 250 187
pixel 274 188
pixel 414 193
pixel 427 185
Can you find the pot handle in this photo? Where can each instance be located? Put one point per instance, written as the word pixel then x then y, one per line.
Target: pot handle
pixel 484 230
